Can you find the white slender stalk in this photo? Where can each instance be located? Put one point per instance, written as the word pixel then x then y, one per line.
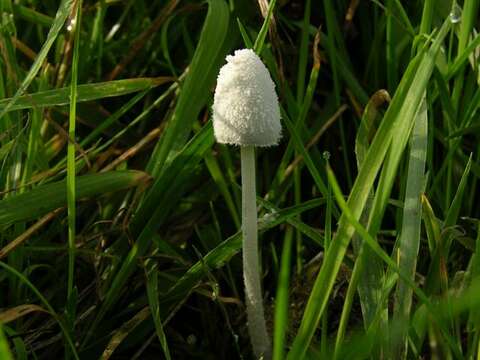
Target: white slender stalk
pixel 251 269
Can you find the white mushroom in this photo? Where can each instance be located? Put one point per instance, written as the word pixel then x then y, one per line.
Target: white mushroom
pixel 246 113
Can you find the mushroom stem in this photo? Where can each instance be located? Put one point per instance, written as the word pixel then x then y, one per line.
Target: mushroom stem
pixel 251 270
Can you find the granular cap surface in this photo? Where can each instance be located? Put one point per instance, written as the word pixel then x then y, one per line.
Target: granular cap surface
pixel 245 108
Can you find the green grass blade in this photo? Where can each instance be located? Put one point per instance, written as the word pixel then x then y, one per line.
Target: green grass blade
pixel 32 15
pixel 303 52
pixel 246 39
pixel 63 12
pixel 259 41
pixel 369 279
pixel 5 352
pixel 392 41
pixel 307 230
pixel 436 277
pixel 431 223
pixel 454 209
pixel 345 71
pixel 409 242
pixel 85 92
pixel 34 139
pixel 335 41
pixel 298 145
pixel 368 290
pixel 151 270
pixel 462 58
pixel 469 15
pixel 214 42
pixel 45 198
pixel 474 129
pixel 217 175
pixel 112 119
pixel 427 16
pixel 281 300
pixel 71 195
pixel 347 304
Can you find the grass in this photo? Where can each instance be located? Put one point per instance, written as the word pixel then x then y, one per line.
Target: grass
pixel 119 215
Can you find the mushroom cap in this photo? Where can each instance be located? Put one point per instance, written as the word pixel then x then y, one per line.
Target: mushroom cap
pixel 245 107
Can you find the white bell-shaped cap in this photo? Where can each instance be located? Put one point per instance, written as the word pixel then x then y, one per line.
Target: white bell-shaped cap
pixel 245 107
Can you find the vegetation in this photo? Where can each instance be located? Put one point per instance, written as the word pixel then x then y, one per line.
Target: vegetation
pixel 120 216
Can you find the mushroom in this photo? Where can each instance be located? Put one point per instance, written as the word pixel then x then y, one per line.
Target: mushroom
pixel 246 113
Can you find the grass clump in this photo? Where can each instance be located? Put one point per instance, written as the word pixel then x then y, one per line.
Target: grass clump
pixel 120 226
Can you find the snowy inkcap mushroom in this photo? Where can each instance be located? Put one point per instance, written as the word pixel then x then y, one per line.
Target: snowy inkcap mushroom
pixel 245 107
pixel 246 113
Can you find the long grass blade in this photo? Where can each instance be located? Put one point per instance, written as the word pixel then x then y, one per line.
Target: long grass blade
pixel 5 352
pixel 71 195
pixel 85 92
pixel 409 241
pixel 48 197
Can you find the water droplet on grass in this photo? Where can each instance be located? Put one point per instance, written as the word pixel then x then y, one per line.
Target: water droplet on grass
pixel 71 25
pixel 456 14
